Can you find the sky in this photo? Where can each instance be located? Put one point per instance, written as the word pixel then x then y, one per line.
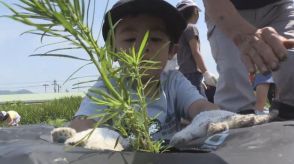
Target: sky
pixel 19 71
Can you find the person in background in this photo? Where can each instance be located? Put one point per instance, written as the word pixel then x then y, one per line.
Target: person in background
pixel 11 118
pixel 246 36
pixel 190 61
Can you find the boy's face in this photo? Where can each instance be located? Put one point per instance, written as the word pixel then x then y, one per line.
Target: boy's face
pixel 130 32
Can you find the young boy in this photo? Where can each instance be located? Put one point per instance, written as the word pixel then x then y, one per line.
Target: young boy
pixel 11 117
pixel 178 97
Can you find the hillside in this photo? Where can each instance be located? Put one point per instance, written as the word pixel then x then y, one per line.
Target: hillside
pixel 7 92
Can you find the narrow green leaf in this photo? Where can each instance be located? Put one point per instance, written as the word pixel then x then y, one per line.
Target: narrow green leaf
pixel 65 23
pixel 84 82
pixel 60 55
pixel 76 71
pixel 142 46
pixel 62 49
pixel 50 44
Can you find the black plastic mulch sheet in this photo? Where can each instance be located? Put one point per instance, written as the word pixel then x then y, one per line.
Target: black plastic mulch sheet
pixel 271 143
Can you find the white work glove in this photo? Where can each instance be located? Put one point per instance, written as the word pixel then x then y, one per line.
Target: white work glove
pixel 100 139
pixel 198 127
pixel 209 79
pixel 214 121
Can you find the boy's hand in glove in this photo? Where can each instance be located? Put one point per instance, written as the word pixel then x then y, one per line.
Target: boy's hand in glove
pixel 209 79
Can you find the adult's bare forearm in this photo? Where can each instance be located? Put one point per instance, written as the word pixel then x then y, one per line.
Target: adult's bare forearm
pixel 226 17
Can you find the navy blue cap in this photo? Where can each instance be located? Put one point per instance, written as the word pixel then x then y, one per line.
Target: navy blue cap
pixel 169 14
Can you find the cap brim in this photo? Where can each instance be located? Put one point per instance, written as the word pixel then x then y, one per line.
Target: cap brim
pixel 186 6
pixel 173 19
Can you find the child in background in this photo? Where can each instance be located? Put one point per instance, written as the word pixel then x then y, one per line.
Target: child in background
pixel 190 60
pixel 12 118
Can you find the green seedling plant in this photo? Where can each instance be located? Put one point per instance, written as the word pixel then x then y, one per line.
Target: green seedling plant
pixel 124 96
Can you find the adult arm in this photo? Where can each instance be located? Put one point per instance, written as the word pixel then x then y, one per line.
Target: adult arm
pixel 263 48
pixel 200 106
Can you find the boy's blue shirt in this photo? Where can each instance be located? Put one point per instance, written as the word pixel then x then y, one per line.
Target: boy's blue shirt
pixel 176 95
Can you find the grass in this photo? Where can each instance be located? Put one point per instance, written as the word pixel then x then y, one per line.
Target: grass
pixel 55 112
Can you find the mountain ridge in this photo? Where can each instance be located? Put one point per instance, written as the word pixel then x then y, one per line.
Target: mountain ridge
pixel 8 92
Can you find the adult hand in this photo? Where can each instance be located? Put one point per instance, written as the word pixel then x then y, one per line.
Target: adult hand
pixel 263 50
